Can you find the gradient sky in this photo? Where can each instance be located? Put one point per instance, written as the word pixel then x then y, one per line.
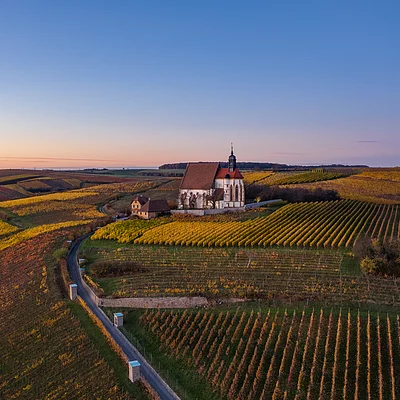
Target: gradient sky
pixel 140 83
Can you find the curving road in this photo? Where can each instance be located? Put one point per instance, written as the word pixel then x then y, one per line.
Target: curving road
pixel 147 371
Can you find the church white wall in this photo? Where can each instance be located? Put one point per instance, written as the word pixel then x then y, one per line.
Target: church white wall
pixel 193 198
pixel 197 198
pixel 228 185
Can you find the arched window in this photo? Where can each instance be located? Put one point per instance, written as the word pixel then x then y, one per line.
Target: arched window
pixel 231 194
pixel 237 193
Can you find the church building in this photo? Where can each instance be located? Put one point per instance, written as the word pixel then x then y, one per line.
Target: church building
pixel 206 185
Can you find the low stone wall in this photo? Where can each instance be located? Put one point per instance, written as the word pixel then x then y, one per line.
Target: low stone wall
pixel 197 213
pixel 210 211
pixel 157 302
pixel 154 302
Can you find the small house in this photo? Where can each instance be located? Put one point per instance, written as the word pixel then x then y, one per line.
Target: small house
pixel 147 208
pixel 138 202
pixel 153 209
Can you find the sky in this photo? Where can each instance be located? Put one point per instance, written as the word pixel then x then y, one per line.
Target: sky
pixel 98 83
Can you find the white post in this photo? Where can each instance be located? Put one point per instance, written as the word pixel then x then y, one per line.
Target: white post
pixel 134 370
pixel 73 291
pixel 118 319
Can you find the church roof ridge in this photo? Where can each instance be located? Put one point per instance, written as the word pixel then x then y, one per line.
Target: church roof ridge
pixel 199 175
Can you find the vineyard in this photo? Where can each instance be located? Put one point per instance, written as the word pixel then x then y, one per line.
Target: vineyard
pixel 44 351
pixel 36 231
pixel 127 231
pixel 294 275
pixel 256 176
pixel 6 228
pixel 15 184
pixel 305 177
pixel 214 272
pixel 297 254
pixel 74 205
pixel 280 354
pixel 378 186
pixel 320 224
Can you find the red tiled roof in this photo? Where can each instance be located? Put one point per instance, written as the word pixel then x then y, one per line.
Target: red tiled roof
pixel 224 173
pixel 155 206
pixel 199 175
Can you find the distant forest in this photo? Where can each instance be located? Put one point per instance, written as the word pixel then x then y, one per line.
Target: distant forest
pixel 265 165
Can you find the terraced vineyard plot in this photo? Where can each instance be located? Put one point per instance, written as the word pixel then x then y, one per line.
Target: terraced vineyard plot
pixel 215 272
pixel 298 275
pixel 320 224
pixel 283 355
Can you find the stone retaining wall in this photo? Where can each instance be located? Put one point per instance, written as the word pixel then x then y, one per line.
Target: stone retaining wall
pixel 157 302
pixel 154 302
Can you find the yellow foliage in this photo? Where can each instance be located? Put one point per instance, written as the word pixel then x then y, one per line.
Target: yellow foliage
pixel 6 228
pixel 65 196
pixel 256 176
pixel 38 230
pixel 375 185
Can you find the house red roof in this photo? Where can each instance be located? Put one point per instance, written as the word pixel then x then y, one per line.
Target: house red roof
pixel 156 206
pixel 141 199
pixel 224 173
pixel 199 175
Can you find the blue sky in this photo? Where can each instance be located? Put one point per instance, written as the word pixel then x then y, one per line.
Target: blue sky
pixel 101 83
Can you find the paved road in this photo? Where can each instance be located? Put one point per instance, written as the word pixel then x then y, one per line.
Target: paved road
pixel 151 376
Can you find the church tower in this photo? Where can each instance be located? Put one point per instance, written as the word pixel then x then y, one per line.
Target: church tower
pixel 232 161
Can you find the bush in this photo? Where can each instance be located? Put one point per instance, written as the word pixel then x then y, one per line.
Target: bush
pixel 378 257
pixel 60 254
pixel 368 266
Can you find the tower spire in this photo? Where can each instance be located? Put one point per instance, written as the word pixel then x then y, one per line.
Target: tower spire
pixel 231 160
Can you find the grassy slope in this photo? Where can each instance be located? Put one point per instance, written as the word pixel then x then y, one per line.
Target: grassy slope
pixel 109 355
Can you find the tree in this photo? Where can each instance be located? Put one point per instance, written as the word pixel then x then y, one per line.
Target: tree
pixel 377 256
